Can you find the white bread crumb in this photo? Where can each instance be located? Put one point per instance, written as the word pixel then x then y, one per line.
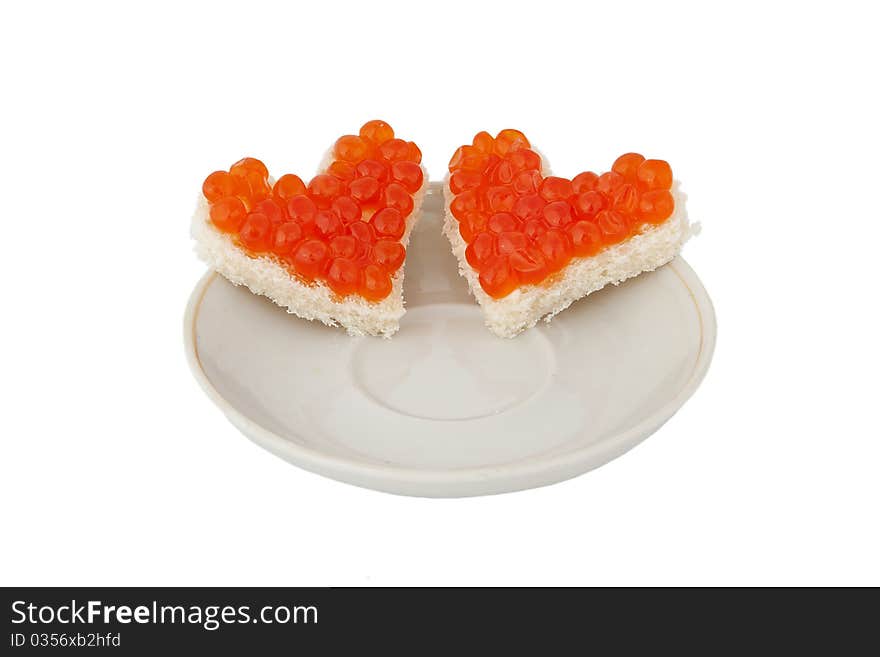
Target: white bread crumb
pixel 654 246
pixel 265 276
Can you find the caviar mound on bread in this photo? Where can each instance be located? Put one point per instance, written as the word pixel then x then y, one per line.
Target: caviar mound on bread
pixel 330 249
pixel 529 244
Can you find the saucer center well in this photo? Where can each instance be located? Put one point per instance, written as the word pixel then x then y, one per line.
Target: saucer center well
pixel 444 364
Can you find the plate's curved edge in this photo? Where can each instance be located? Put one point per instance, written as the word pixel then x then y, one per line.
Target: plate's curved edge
pixel 470 481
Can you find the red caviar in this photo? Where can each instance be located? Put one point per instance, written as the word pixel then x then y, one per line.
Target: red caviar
pixel 497 277
pixel 273 211
pixel 372 169
pixel 388 254
pixel 656 205
pixel 627 165
pixel 654 174
pixel 414 153
pixel 389 222
pixel 408 174
pixel 347 209
pixel 529 265
pixel 345 171
pixel 344 246
pixel 484 142
pixel 349 148
pixel 362 231
pixel 376 283
pixel 310 257
pixel 529 206
pixel 556 189
pixel 521 227
pixel 286 187
pixel 461 180
pixel 301 209
pixel 344 227
pixel 473 223
pixel 480 250
pixel 509 140
pixel 365 189
pixel 218 185
pixel 584 182
pixel 256 233
pixel 287 236
pixel 251 179
pixel 228 214
pixel 344 276
pixel 376 131
pixel 394 150
pixel 323 188
pixel 396 196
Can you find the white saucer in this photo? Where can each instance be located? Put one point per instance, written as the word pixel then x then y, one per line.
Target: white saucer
pixel 444 408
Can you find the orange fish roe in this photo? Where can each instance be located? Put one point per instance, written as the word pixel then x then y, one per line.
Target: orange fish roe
pixel 521 227
pixel 344 226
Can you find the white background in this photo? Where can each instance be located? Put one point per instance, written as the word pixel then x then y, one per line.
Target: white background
pixel 116 469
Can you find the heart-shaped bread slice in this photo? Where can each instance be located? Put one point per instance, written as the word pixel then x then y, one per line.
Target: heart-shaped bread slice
pixel 529 244
pixel 331 250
